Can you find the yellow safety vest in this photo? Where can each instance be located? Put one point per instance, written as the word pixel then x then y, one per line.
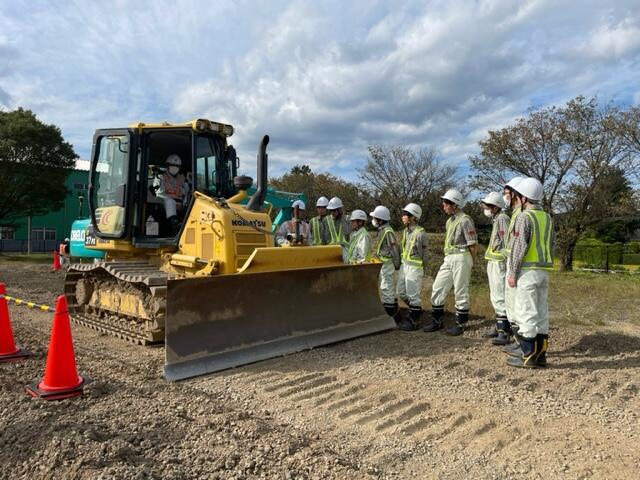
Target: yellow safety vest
pixel 406 253
pixel 449 248
pixel 512 223
pixel 386 231
pixel 490 254
pixel 539 254
pixel 316 230
pixel 337 238
pixel 354 239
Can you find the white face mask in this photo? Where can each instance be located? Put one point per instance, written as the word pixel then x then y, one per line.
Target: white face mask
pixel 375 223
pixel 507 199
pixel 488 213
pixel 173 170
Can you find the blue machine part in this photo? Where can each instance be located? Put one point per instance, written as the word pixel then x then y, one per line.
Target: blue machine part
pixel 77 238
pixel 279 200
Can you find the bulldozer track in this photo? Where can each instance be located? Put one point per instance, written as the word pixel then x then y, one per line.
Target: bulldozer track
pixel 142 276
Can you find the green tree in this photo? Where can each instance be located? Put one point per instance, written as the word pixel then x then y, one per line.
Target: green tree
pixel 35 162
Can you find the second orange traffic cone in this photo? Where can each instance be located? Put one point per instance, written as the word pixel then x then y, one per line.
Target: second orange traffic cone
pixel 8 349
pixel 55 266
pixel 61 379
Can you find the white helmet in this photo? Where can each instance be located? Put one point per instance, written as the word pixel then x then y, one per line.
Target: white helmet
pixel 493 198
pixel 381 213
pixel 514 182
pixel 414 209
pixel 454 196
pixel 298 203
pixel 174 160
pixel 322 202
pixel 358 215
pixel 334 204
pixel 531 188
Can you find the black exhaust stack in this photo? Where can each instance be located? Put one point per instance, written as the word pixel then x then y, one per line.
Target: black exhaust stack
pixel 256 201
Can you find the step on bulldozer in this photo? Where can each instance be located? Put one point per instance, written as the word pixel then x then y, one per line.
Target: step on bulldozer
pixel 190 258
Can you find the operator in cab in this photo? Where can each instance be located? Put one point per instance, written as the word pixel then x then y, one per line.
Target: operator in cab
pixel 173 188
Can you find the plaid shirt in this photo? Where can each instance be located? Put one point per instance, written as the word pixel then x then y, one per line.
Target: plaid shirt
pixel 520 238
pixel 501 223
pixel 465 233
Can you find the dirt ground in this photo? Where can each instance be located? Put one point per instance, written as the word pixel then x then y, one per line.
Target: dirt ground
pixel 393 405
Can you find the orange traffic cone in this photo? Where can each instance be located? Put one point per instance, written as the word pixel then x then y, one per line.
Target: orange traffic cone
pixel 8 349
pixel 61 379
pixel 55 266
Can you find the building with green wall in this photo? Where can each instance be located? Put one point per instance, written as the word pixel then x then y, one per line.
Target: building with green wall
pixel 47 231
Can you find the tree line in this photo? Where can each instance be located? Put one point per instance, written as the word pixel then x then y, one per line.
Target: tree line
pixel 586 154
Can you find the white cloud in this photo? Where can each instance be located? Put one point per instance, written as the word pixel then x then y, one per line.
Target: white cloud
pixel 324 79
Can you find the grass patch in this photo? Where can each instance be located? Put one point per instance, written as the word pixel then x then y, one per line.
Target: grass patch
pixel 24 257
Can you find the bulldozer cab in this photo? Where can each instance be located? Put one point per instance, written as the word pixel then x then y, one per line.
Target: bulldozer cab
pixel 134 195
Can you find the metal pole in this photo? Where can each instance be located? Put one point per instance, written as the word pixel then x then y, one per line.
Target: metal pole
pixel 29 235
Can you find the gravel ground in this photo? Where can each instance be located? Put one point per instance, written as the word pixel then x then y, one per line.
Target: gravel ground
pixel 393 405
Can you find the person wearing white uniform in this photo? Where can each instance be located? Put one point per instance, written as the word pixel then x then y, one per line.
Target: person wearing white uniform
pixel 512 200
pixel 173 189
pixel 460 246
pixel 360 240
pixel 412 266
pixel 295 231
pixel 387 251
pixel 319 234
pixel 337 227
pixel 530 258
pixel 496 263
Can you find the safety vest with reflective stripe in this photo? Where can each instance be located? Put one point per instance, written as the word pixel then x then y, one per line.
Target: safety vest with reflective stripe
pixel 355 239
pixel 491 254
pixel 173 185
pixel 406 252
pixel 512 223
pixel 539 254
pixel 316 231
pixel 449 248
pixel 337 238
pixel 386 231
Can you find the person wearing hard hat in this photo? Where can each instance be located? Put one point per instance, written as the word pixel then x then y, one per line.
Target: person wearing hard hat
pixel 412 266
pixel 496 263
pixel 359 240
pixel 387 252
pixel 173 188
pixel 530 258
pixel 512 200
pixel 319 234
pixel 337 227
pixel 460 246
pixel 295 231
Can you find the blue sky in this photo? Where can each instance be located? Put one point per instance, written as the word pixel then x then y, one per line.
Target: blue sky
pixel 323 78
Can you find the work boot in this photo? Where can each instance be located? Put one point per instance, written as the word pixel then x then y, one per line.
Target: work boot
pixel 392 310
pixel 504 332
pixel 407 325
pixel 543 341
pixel 175 223
pixel 436 320
pixel 415 312
pixel 461 319
pixel 531 349
pixel 513 349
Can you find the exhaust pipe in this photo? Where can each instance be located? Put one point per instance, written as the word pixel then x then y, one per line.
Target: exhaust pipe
pixel 256 201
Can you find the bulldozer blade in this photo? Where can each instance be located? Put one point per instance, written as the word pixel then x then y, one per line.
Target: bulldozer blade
pixel 219 322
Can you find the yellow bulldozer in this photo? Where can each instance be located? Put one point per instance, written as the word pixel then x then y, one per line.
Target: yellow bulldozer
pixel 201 273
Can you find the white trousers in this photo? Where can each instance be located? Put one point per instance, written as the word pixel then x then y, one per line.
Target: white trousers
pixel 531 305
pixel 386 283
pixel 455 272
pixel 496 272
pixel 410 284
